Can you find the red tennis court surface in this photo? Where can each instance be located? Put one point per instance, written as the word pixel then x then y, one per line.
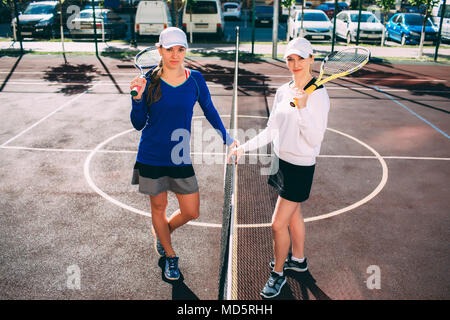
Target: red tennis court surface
pixel 379 199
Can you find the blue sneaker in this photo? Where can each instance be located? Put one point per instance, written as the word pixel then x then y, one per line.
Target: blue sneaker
pixel 171 271
pixel 273 285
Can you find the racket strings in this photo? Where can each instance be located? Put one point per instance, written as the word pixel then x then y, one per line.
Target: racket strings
pixel 345 60
pixel 148 59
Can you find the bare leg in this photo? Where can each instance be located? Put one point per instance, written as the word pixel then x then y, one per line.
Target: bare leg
pixel 284 210
pixel 189 210
pixel 160 223
pixel 297 229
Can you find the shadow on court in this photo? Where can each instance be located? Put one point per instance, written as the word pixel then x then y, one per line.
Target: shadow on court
pixel 180 291
pixel 76 78
pixel 307 284
pixel 11 72
pixel 254 82
pixel 392 76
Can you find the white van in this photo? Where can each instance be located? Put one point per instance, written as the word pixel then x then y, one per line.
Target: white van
pixel 152 17
pixel 436 15
pixel 207 17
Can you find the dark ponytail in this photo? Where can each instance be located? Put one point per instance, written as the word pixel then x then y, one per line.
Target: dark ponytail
pixel 154 89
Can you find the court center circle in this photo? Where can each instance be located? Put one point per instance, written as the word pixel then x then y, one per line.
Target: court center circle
pixel 367 198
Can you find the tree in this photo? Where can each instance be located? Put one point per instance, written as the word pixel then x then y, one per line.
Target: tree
pixel 385 5
pixel 189 5
pixel 288 4
pixel 175 7
pixel 428 4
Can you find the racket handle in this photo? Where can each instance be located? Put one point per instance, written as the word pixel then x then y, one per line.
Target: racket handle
pixel 311 89
pixel 134 92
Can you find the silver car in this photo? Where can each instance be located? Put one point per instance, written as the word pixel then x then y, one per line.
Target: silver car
pixel 316 25
pixel 108 23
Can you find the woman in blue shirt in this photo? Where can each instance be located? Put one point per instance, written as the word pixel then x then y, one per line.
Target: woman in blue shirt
pixel 163 110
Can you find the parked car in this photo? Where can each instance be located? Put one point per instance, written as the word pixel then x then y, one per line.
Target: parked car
pixel 264 15
pixel 232 10
pixel 413 9
pixel 152 17
pixel 207 17
pixel 407 27
pixel 106 21
pixel 370 28
pixel 296 6
pixel 316 25
pixel 40 19
pixel 328 8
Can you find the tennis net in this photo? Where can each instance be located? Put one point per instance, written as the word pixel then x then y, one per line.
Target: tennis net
pixel 228 238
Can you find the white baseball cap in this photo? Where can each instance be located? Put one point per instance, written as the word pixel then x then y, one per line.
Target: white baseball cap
pixel 300 47
pixel 171 37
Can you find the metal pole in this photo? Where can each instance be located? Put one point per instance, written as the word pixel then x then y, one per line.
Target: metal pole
pixel 253 27
pixel 103 30
pixel 301 21
pixel 174 13
pixel 359 22
pixel 61 28
pixel 132 27
pixel 275 28
pixel 19 28
pixel 438 41
pixel 95 28
pixel 333 37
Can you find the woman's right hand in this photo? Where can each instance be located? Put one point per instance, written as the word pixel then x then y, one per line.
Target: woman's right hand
pixel 141 82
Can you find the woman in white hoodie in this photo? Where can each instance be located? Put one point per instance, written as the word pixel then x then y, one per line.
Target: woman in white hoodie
pixel 296 127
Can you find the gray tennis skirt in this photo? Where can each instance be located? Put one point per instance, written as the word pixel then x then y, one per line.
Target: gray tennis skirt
pixel 153 180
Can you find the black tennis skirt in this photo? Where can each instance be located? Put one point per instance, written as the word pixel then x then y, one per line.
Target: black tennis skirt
pixel 153 180
pixel 291 182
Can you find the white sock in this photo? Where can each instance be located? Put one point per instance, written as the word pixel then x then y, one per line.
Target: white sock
pixel 299 260
pixel 279 273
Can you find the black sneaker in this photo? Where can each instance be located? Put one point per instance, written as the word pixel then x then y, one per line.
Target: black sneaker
pixel 290 264
pixel 273 285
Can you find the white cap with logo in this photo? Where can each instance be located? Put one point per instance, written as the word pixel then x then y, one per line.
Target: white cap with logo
pixel 171 37
pixel 300 47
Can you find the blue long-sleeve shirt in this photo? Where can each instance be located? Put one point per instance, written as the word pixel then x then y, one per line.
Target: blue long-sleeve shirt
pixel 165 139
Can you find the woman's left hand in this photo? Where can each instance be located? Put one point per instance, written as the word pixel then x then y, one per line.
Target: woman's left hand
pixel 235 143
pixel 301 98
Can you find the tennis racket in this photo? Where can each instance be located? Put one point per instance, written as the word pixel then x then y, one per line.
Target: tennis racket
pixel 145 59
pixel 339 64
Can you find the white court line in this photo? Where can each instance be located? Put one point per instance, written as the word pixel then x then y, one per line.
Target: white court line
pixel 339 156
pixel 215 225
pixel 373 194
pixel 432 125
pixel 210 85
pixel 241 75
pixel 46 117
